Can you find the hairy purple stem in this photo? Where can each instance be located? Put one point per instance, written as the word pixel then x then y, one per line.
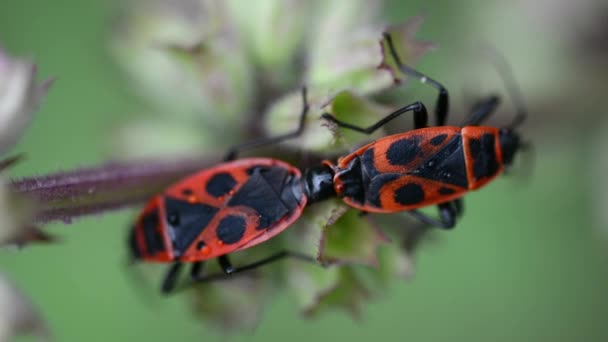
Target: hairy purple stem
pixel 95 190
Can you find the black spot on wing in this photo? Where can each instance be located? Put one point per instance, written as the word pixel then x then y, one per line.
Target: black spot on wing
pixel 231 229
pixel 438 139
pixel 409 194
pixel 220 184
pixel 483 153
pixel 152 236
pixel 187 221
pixel 375 187
pixel 403 151
pixel 269 192
pixel 200 245
pixel 446 191
pixel 446 165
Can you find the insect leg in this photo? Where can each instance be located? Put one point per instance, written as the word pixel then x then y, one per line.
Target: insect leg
pixel 197 269
pixel 481 111
pixel 458 206
pixel 229 269
pixel 420 118
pixel 171 278
pixel 234 150
pixel 447 216
pixel 443 99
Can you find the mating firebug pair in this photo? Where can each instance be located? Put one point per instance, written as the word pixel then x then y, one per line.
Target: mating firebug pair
pixel 243 202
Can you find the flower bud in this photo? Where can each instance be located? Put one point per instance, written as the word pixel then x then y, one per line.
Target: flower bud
pixel 20 95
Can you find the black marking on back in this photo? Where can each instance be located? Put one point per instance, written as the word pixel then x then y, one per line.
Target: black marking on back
pixel 186 221
pixel 220 184
pixel 403 151
pixel 484 156
pixel 231 229
pixel 438 139
pixel 154 240
pixel 253 169
pixel 409 194
pixel 375 187
pixel 446 165
pixel 446 191
pixel 354 181
pixel 269 191
pixel 367 161
pixel 187 192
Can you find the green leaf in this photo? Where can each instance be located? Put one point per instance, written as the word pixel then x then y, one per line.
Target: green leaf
pixel 351 64
pixel 183 59
pixel 306 234
pixel 347 293
pixel 359 61
pixel 283 116
pixel 356 110
pixel 258 23
pixel 351 240
pixel 141 138
pixel 233 304
pixel 396 259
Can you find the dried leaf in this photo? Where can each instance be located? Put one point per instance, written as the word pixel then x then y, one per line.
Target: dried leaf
pixel 17 213
pixel 20 95
pixel 17 314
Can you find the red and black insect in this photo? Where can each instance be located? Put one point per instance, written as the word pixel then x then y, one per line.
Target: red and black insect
pixel 229 207
pixel 241 203
pixel 427 165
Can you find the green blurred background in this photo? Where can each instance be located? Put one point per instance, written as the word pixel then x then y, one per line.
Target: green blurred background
pixel 526 263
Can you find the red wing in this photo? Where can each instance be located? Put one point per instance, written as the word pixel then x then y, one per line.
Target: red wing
pixel 411 192
pixel 390 192
pixel 405 152
pixel 233 206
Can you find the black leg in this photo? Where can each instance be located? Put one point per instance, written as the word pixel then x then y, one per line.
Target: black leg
pixel 458 206
pixel 197 269
pixel 234 150
pixel 447 216
pixel 229 270
pixel 225 264
pixel 171 278
pixel 420 118
pixel 481 111
pixel 443 99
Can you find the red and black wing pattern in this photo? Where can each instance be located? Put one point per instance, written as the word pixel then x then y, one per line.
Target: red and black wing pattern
pixel 226 208
pixel 410 170
pixel 148 240
pixel 483 154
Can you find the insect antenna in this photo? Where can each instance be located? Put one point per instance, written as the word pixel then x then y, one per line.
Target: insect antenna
pixel 506 74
